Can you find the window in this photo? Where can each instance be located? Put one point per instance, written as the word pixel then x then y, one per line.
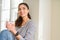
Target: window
pixel 8 11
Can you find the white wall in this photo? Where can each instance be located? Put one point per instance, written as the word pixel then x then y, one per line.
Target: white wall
pixel 55 22
pixel 44 20
pixel 34 11
pixel 49 19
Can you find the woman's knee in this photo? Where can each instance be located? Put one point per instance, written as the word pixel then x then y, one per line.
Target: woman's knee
pixel 6 35
pixel 5 32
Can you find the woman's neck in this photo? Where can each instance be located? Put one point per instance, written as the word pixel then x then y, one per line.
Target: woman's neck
pixel 25 18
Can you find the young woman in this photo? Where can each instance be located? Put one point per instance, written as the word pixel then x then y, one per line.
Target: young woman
pixel 22 29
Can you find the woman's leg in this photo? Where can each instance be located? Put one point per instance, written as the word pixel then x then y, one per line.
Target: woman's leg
pixel 6 35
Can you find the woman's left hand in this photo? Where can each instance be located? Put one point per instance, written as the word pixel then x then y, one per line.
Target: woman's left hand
pixel 11 27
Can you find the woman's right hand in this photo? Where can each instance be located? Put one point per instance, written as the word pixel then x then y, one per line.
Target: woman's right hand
pixel 11 27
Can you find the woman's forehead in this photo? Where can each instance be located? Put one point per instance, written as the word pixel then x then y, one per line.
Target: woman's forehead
pixel 22 6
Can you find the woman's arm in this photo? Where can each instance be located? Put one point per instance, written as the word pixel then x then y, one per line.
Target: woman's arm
pixel 29 33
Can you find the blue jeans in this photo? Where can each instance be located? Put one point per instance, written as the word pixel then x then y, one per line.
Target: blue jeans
pixel 6 35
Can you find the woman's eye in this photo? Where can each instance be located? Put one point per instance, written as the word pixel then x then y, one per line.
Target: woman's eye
pixel 23 8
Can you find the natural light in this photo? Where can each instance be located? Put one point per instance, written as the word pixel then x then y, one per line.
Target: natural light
pixel 9 11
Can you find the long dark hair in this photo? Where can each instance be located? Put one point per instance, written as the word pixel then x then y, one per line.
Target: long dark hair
pixel 19 20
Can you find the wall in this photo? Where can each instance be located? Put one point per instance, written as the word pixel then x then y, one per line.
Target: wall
pixel 49 20
pixel 34 11
pixel 55 25
pixel 44 20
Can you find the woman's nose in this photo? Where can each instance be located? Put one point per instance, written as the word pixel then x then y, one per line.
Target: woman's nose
pixel 21 11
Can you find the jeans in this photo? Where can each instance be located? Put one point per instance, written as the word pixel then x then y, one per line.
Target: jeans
pixel 6 35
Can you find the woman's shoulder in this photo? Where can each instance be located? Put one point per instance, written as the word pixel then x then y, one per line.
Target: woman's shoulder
pixel 30 24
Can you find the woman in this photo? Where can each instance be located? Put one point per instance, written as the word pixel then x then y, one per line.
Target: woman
pixel 22 29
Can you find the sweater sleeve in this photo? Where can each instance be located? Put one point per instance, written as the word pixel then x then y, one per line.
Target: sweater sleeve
pixel 29 33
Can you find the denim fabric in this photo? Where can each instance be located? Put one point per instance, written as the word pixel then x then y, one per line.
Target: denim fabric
pixel 6 35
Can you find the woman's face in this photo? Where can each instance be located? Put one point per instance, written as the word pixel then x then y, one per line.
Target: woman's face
pixel 23 10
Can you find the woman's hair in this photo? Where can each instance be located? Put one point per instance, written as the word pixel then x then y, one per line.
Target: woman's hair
pixel 19 20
